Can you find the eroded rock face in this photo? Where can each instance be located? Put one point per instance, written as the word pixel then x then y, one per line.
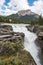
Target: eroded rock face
pixel 30 28
pixel 7 37
pixel 7 34
pixel 11 48
pixel 37 30
pixel 33 29
pixel 5 28
pixel 40 35
pixel 39 41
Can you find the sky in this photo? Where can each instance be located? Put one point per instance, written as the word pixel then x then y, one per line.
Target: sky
pixel 8 7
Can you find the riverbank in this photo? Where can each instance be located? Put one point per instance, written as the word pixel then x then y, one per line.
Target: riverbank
pixel 12 48
pixel 38 30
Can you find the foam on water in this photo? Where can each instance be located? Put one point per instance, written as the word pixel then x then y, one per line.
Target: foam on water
pixel 29 41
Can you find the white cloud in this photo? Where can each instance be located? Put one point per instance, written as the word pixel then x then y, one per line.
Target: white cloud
pixel 16 5
pixel 1 2
pixel 37 7
pixel 21 4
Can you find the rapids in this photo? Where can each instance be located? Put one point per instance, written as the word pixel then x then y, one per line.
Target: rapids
pixel 29 41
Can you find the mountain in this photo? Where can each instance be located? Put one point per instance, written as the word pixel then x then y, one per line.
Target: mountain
pixel 24 15
pixel 26 12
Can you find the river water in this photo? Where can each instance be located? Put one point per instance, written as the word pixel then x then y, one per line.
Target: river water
pixel 29 41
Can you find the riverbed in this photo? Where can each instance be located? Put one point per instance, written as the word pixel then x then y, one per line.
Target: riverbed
pixel 29 40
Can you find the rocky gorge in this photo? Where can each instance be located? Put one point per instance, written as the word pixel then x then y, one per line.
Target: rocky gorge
pixel 38 30
pixel 12 51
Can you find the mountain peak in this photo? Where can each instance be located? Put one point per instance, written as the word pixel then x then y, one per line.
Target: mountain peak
pixel 26 12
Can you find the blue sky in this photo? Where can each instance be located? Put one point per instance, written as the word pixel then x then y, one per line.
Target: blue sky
pixel 8 7
pixel 6 2
pixel 31 2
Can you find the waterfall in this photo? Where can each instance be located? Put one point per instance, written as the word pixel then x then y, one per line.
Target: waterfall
pixel 29 41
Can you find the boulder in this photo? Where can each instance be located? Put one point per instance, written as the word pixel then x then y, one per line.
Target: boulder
pixel 40 34
pixel 40 39
pixel 33 29
pixel 30 28
pixel 5 28
pixel 7 34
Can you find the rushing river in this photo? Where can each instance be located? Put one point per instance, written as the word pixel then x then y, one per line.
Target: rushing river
pixel 29 41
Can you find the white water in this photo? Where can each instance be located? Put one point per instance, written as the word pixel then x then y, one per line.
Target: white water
pixel 29 41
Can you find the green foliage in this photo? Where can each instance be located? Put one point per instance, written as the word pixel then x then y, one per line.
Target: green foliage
pixel 22 19
pixel 15 55
pixel 14 18
pixel 21 58
pixel 11 47
pixel 38 21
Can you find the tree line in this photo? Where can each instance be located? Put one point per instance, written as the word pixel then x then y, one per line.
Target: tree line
pixel 38 21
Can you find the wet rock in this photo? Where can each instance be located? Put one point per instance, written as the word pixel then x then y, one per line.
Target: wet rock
pixel 6 27
pixel 11 37
pixel 40 39
pixel 30 28
pixel 11 45
pixel 33 29
pixel 40 35
pixel 39 32
pixel 7 34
